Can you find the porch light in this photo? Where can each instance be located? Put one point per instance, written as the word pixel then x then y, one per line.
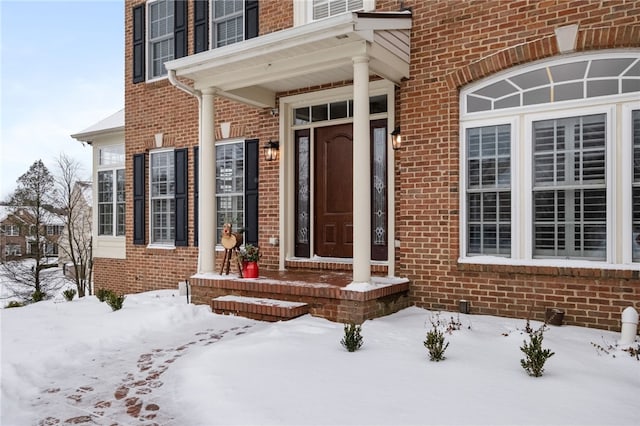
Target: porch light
pixel 396 138
pixel 271 149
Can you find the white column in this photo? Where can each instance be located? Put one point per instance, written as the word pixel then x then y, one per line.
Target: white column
pixel 207 185
pixel 361 172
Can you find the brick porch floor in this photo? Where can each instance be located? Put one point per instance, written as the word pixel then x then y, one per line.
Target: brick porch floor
pixel 327 293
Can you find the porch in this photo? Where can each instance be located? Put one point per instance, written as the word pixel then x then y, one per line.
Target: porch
pixel 281 295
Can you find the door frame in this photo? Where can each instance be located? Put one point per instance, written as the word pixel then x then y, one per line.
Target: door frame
pixel 286 183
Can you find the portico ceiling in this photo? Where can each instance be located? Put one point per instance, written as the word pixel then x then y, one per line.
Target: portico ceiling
pixel 321 52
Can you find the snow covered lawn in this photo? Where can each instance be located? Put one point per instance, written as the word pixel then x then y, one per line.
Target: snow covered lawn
pixel 162 361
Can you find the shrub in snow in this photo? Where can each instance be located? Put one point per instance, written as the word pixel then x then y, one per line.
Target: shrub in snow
pixel 103 294
pixel 435 344
pixel 14 304
pixel 115 300
pixel 38 296
pixel 535 358
pixel 352 340
pixel 69 294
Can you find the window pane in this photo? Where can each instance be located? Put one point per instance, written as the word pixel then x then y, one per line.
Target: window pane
pixel 229 186
pixel 570 221
pixel 105 203
pixel 489 211
pixel 160 36
pixel 162 197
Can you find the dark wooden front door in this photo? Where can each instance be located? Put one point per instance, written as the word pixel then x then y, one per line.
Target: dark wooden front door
pixel 334 191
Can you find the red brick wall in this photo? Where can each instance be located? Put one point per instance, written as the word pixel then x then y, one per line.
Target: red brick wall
pixel 453 44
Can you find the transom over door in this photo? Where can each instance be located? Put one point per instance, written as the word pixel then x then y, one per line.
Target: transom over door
pixel 334 191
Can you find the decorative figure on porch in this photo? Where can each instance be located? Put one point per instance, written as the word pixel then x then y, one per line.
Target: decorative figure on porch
pixel 231 242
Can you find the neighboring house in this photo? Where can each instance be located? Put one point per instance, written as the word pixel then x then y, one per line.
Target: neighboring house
pixel 516 186
pixel 14 229
pixel 81 202
pixel 17 232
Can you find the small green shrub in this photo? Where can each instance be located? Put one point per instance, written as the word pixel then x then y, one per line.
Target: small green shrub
pixel 38 296
pixel 115 301
pixel 14 304
pixel 103 294
pixel 352 340
pixel 69 294
pixel 535 355
pixel 435 344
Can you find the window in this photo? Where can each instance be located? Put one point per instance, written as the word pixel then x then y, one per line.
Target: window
pixel 230 186
pixel 111 192
pixel 325 8
pixel 546 173
pixel 228 22
pixel 569 189
pixel 489 190
pixel 11 230
pixel 160 36
pixel 162 188
pixel 54 229
pixel 12 250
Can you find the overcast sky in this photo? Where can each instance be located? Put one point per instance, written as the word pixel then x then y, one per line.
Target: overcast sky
pixel 62 70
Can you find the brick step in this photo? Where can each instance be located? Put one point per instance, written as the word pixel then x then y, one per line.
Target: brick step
pixel 258 308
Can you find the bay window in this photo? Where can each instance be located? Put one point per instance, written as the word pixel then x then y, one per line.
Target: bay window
pixel 111 191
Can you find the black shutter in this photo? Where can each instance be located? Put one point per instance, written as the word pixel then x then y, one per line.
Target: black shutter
pixel 196 183
pixel 138 43
pixel 200 26
pixel 138 199
pixel 179 28
pixel 251 157
pixel 250 19
pixel 181 196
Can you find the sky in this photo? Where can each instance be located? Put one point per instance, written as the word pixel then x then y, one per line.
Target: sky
pixel 159 360
pixel 61 71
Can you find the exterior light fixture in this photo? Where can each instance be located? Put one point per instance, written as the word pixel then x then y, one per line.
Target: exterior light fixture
pixel 271 149
pixel 396 138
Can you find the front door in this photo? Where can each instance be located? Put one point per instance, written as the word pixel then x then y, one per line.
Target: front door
pixel 334 191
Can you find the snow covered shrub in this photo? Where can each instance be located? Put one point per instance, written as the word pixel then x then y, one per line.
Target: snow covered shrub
pixel 69 294
pixel 435 344
pixel 38 296
pixel 103 294
pixel 535 355
pixel 14 304
pixel 115 300
pixel 352 340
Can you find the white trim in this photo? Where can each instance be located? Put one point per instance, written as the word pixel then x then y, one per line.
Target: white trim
pixel 287 160
pixel 626 188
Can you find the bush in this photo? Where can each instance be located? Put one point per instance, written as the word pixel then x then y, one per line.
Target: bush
pixel 115 300
pixel 352 340
pixel 535 355
pixel 69 294
pixel 14 304
pixel 435 344
pixel 103 294
pixel 38 296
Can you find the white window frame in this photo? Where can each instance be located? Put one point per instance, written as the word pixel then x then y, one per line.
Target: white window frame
pixel 219 195
pixel 110 159
pixel 11 230
pixel 303 10
pixel 214 23
pixel 169 36
pixel 619 173
pixel 170 242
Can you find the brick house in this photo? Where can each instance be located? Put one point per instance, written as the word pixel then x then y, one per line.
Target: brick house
pixel 17 232
pixel 516 186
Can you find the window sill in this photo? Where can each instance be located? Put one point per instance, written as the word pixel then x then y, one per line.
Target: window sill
pixel 558 267
pixel 157 246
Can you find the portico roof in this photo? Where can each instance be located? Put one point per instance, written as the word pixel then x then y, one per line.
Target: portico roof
pixel 321 52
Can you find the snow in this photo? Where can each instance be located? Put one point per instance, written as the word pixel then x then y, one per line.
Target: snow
pixel 160 360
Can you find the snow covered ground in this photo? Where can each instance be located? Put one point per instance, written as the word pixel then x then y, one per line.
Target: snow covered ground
pixel 162 361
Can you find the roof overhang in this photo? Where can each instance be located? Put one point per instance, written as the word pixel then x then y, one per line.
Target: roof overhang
pixel 255 70
pixel 113 124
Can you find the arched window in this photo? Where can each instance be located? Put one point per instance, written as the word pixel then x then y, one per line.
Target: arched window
pixel 550 163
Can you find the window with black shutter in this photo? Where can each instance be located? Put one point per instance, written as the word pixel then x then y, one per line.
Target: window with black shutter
pixel 181 197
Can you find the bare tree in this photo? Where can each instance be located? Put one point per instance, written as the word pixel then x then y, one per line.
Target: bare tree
pixel 75 243
pixel 35 198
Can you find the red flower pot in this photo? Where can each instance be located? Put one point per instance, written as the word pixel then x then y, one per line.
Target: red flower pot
pixel 250 269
